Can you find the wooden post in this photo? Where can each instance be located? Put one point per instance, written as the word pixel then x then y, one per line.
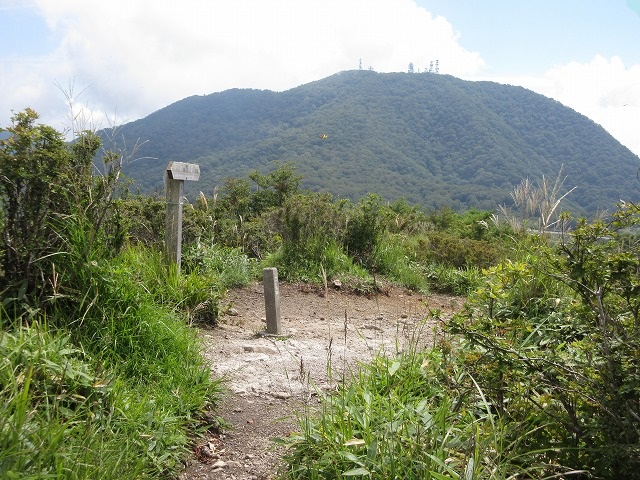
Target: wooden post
pixel 174 178
pixel 272 300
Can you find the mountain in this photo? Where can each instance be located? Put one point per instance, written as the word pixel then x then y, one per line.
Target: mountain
pixel 434 140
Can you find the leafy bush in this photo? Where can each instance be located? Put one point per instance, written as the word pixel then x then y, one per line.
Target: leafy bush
pixel 455 281
pixel 394 260
pixel 143 219
pixel 447 249
pixel 227 267
pixel 365 224
pixel 43 181
pixel 310 228
pixel 564 358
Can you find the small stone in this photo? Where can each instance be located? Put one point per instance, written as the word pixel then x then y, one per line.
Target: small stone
pixel 233 312
pixel 281 395
pixel 219 464
pixel 206 451
pixel 337 284
pixel 404 315
pixel 260 349
pixel 250 421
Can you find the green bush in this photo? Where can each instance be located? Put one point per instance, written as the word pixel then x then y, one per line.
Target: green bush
pixel 365 225
pixel 447 249
pixel 310 227
pixel 552 340
pixel 455 281
pixel 143 219
pixel 394 260
pixel 44 181
pixel 228 267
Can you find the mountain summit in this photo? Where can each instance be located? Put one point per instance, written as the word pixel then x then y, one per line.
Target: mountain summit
pixel 434 140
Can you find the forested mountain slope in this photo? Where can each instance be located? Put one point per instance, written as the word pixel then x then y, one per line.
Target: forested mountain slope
pixel 432 139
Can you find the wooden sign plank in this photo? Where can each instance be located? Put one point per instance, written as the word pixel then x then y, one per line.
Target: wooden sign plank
pixel 183 171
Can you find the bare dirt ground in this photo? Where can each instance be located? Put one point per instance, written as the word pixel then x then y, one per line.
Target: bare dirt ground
pixel 272 380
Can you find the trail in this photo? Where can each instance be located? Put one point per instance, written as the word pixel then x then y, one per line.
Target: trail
pixel 272 380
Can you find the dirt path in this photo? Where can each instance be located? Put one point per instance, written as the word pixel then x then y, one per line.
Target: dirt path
pixel 270 379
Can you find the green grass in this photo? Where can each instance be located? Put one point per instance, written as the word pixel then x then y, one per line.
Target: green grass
pixel 116 389
pixel 397 419
pixel 455 281
pixel 314 265
pixel 59 416
pixel 226 267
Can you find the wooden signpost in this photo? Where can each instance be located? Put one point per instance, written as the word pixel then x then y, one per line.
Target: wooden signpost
pixel 174 178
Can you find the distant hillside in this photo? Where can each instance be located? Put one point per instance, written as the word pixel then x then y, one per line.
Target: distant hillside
pixel 433 139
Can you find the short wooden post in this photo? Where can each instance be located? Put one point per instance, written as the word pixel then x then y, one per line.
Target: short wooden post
pixel 272 300
pixel 174 178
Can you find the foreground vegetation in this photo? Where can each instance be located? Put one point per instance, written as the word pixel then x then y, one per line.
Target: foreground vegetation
pixel 101 372
pixel 100 375
pixel 536 378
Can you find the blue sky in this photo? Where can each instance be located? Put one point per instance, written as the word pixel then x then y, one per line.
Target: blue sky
pixel 124 59
pixel 529 37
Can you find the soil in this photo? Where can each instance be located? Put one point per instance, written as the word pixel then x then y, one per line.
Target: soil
pixel 272 380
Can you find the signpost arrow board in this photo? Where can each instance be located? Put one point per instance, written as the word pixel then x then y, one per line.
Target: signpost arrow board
pixel 183 171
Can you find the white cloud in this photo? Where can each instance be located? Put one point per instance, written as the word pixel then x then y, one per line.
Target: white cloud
pixel 135 57
pixel 138 56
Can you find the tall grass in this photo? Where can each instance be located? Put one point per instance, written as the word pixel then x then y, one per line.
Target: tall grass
pixel 455 281
pixel 138 381
pixel 395 260
pixel 225 267
pixel 398 418
pixel 59 416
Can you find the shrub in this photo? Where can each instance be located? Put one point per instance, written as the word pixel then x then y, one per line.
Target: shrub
pixel 458 252
pixel 455 281
pixel 228 267
pixel 43 182
pixel 365 224
pixel 310 227
pixel 394 260
pixel 143 219
pixel 564 358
